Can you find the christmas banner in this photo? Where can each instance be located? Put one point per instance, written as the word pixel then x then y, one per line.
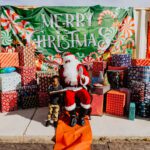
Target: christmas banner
pixel 88 32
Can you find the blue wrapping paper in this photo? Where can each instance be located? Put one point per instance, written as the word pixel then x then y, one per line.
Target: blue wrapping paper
pixel 137 90
pixel 121 60
pixel 95 80
pixel 147 90
pixel 139 73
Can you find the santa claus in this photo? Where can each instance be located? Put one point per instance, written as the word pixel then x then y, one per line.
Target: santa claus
pixel 75 77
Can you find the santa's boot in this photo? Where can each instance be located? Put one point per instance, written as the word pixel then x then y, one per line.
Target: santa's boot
pixel 73 118
pixel 82 113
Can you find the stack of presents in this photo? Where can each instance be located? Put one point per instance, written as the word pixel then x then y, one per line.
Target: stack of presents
pixel 120 88
pixel 21 86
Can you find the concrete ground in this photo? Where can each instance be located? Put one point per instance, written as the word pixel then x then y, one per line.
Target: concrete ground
pixel 28 126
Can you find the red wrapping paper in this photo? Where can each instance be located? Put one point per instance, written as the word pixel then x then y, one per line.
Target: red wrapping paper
pixel 115 102
pixel 26 56
pixel 140 62
pixel 8 101
pixel 9 60
pixel 97 67
pixel 97 104
pixel 43 98
pixel 117 68
pixel 28 75
pixel 43 79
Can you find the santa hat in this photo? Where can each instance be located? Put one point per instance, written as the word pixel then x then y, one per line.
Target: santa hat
pixel 69 56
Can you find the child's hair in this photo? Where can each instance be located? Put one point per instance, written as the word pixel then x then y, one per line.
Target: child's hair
pixel 55 77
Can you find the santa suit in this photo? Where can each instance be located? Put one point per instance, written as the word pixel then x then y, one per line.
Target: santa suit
pixel 76 86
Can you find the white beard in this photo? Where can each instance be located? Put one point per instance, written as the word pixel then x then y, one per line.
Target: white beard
pixel 70 72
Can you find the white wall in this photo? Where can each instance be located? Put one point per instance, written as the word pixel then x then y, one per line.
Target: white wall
pixel 119 3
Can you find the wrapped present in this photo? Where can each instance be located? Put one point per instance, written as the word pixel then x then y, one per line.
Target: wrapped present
pixel 97 67
pixel 8 101
pixel 28 96
pixel 26 56
pixel 44 73
pixel 29 101
pixel 9 49
pixel 140 62
pixel 132 109
pixel 28 75
pixel 97 104
pixel 137 90
pixel 116 78
pixel 128 98
pixel 117 68
pixel 43 80
pixel 143 108
pixel 115 102
pixel 28 90
pixel 43 98
pixel 121 60
pixel 147 91
pixel 100 89
pixel 10 81
pixel 9 60
pixel 123 73
pixel 94 80
pixel 139 73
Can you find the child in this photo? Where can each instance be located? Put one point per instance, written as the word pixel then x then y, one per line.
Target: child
pixel 55 100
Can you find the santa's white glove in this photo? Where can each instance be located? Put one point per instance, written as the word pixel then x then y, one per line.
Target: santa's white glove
pixel 84 80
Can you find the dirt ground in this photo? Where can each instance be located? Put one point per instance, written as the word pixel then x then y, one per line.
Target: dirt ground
pixel 97 145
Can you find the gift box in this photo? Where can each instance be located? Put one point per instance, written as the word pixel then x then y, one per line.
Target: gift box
pixel 132 111
pixel 8 101
pixel 137 90
pixel 97 104
pixel 115 78
pixel 117 68
pixel 26 56
pixel 29 101
pixel 97 67
pixel 94 80
pixel 100 89
pixel 115 102
pixel 128 98
pixel 10 81
pixel 121 60
pixel 43 98
pixel 25 92
pixel 140 62
pixel 28 96
pixel 28 75
pixel 123 73
pixel 147 91
pixel 28 90
pixel 143 108
pixel 43 80
pixel 9 60
pixel 139 73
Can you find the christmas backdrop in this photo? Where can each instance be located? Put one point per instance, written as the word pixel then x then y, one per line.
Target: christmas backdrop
pixel 88 32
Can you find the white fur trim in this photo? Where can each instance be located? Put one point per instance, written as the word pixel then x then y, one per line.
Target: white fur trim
pixel 69 57
pixel 70 108
pixel 85 106
pixel 86 80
